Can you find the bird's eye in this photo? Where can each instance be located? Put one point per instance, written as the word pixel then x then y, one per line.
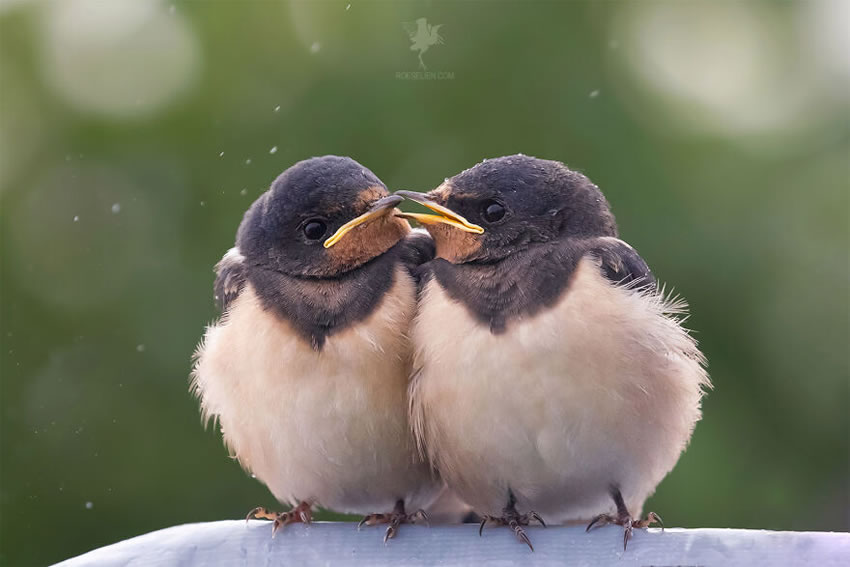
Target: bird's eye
pixel 492 211
pixel 315 229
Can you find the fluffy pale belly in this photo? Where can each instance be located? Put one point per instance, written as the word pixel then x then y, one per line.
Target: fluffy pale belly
pixel 327 427
pixel 601 390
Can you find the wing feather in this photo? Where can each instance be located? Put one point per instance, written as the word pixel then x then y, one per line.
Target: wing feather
pixel 230 278
pixel 621 263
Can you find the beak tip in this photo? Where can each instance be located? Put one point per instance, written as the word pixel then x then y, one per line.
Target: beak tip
pixel 429 202
pixel 386 202
pixel 412 195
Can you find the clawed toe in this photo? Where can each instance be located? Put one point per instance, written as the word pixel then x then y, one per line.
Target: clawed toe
pixel 599 521
pixel 627 522
pixel 514 521
pixel 651 518
pixel 260 513
pixel 623 518
pixel 394 520
pixel 301 513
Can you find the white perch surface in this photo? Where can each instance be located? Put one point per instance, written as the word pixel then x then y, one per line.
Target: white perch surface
pixel 232 542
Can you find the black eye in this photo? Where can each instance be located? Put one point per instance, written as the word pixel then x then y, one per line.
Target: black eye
pixel 492 211
pixel 315 229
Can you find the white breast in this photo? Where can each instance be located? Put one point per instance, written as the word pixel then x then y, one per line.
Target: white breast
pixel 603 389
pixel 329 427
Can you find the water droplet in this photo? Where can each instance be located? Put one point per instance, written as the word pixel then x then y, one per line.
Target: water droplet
pixel 273 150
pixel 277 108
pixel 76 218
pixel 221 154
pixel 243 192
pixel 316 47
pixel 203 203
pixel 140 348
pixel 348 7
pixel 116 208
pixel 248 161
pixel 89 505
pixel 594 93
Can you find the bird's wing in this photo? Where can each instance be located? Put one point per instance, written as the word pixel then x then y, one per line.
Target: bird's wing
pixel 230 278
pixel 621 263
pixel 418 248
pixel 410 28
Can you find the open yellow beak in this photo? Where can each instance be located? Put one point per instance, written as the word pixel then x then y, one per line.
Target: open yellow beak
pixel 444 215
pixel 379 208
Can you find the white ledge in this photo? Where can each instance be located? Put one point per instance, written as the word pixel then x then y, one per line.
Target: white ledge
pixel 234 542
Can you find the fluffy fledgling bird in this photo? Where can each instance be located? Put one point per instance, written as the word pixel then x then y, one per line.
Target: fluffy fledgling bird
pixel 552 378
pixel 307 370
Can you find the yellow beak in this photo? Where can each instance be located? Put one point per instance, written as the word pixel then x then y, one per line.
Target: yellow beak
pixel 444 215
pixel 379 208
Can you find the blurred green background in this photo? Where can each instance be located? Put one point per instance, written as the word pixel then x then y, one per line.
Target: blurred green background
pixel 135 134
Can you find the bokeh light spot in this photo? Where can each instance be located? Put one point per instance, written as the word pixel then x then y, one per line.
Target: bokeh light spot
pixel 122 58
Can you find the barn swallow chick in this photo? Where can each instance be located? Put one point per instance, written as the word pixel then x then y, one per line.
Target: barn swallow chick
pixel 552 379
pixel 307 370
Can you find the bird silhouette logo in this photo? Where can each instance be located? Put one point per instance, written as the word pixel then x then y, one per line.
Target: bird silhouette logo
pixel 422 37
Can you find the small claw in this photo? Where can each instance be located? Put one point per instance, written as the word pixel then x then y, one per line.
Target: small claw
pixel 627 534
pixel 252 512
pixel 656 518
pixel 534 515
pixel 363 521
pixel 305 518
pixel 422 514
pixel 594 521
pixel 481 527
pixel 390 533
pixel 524 538
pixel 282 521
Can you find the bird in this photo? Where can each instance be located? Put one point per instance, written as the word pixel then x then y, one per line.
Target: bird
pixel 423 36
pixel 552 379
pixel 306 370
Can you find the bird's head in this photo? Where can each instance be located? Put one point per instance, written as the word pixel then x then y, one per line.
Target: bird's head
pixel 505 205
pixel 322 217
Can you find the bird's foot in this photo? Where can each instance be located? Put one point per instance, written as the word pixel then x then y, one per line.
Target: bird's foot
pixel 394 520
pixel 511 518
pixel 627 522
pixel 301 513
